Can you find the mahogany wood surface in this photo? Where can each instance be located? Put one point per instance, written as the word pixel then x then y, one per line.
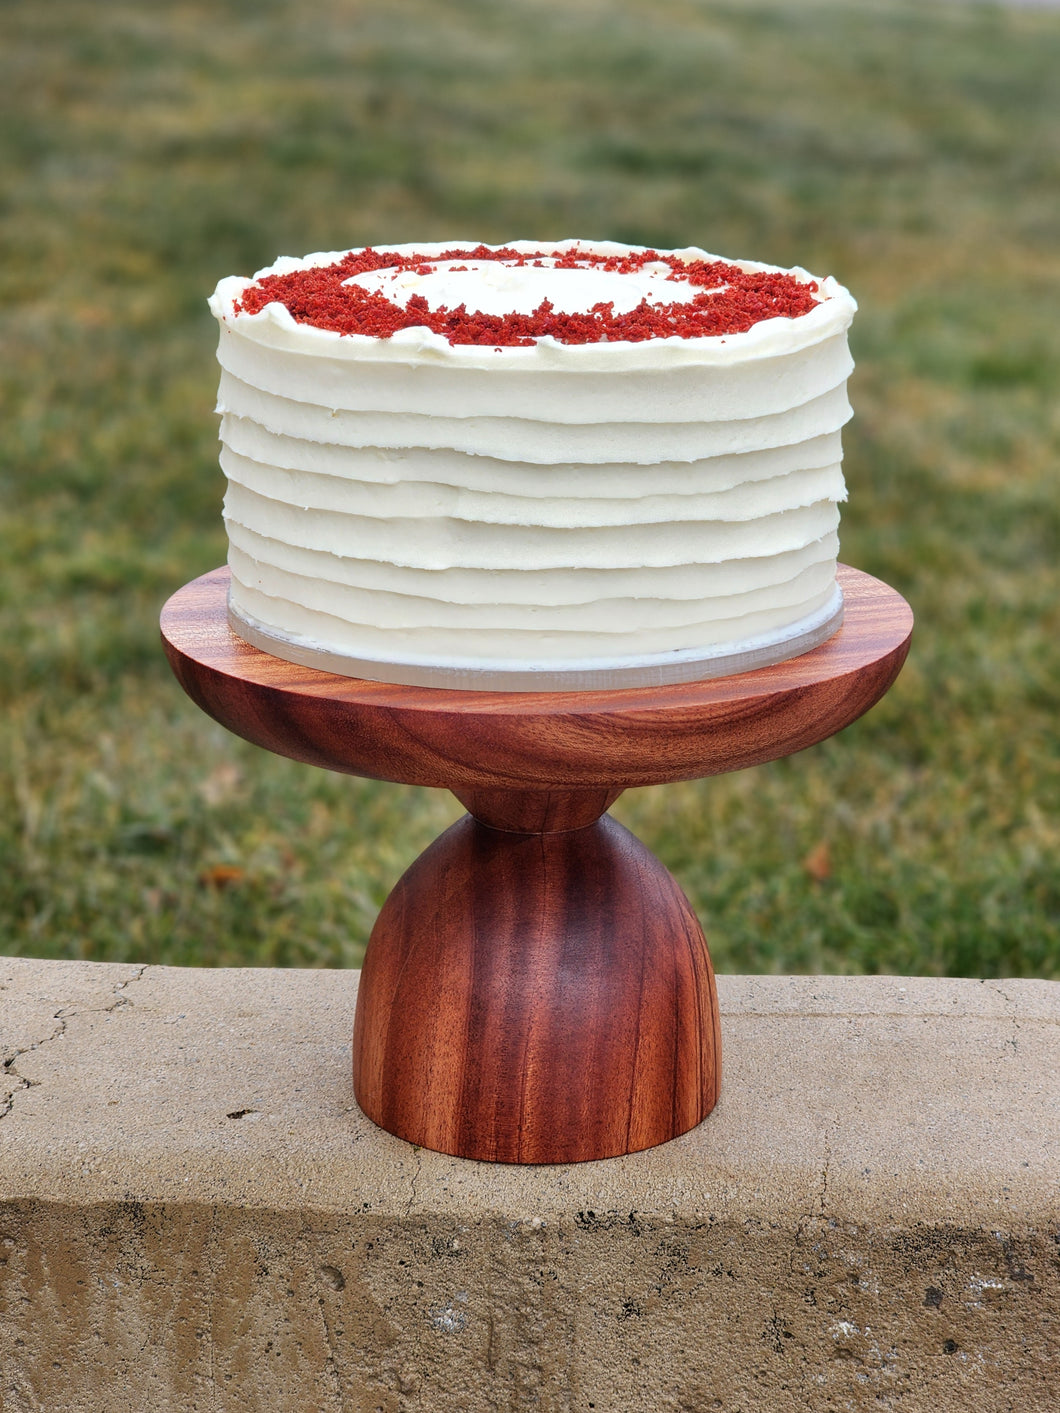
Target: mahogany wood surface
pixel 537 999
pixel 537 811
pixel 536 988
pixel 536 741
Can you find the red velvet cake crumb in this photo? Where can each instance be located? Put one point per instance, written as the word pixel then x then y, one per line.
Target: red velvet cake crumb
pixel 319 297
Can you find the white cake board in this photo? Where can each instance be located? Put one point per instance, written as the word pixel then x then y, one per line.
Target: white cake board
pixel 557 675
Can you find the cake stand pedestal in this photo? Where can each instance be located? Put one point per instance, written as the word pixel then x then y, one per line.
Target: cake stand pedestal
pixel 537 988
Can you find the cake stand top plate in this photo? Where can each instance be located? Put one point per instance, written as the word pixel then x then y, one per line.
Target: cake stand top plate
pixel 536 740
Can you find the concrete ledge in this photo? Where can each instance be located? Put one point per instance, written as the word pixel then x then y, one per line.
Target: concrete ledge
pixel 195 1216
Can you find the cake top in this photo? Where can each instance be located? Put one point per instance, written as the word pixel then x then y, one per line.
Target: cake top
pixel 565 305
pixel 505 296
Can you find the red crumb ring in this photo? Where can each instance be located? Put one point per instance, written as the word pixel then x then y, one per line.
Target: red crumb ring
pixel 319 297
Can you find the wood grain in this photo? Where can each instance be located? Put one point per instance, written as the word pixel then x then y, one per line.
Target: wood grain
pixel 536 988
pixel 536 740
pixel 537 811
pixel 537 999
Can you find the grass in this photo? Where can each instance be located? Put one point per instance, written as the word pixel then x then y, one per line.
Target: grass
pixel 912 150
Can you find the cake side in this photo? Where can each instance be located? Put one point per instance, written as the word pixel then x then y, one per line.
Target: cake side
pixel 542 514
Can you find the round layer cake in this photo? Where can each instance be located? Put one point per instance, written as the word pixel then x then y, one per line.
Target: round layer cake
pixel 536 466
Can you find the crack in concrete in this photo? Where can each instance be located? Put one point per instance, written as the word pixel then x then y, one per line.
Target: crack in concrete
pixel 62 1015
pixel 414 1180
pixel 1013 1015
pixel 776 1330
pixel 23 1082
pixel 822 1196
pixel 124 1000
pixel 807 1218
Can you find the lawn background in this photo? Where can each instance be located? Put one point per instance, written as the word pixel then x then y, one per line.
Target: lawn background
pixel 911 150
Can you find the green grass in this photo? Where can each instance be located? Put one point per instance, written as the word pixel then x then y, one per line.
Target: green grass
pixel 912 150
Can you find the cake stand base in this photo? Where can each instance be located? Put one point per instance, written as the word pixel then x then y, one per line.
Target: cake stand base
pixel 536 988
pixel 537 998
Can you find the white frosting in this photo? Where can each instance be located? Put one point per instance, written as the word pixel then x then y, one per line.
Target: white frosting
pixel 408 501
pixel 486 287
pixel 685 394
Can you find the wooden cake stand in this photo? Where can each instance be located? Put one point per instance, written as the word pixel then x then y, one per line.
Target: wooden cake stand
pixel 537 988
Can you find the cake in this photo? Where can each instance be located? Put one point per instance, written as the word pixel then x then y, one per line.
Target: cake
pixel 535 466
